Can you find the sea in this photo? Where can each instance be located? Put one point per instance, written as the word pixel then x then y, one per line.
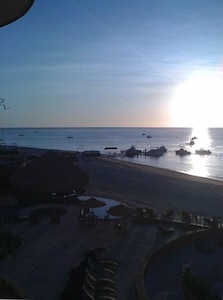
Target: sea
pixel 87 139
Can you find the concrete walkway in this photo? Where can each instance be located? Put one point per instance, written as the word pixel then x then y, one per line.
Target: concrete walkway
pixel 162 279
pixel 49 250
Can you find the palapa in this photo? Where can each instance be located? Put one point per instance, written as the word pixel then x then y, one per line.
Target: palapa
pixel 120 210
pixel 92 203
pixel 49 173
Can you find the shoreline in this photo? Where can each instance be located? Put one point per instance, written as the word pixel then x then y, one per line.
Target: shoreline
pixel 156 170
pixel 147 186
pixel 171 173
pixel 156 188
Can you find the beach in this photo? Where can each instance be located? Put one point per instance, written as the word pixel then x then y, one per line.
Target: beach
pixel 147 186
pixel 156 188
pixel 134 184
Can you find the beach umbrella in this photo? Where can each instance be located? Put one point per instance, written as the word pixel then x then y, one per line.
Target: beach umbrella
pixel 11 10
pixel 49 173
pixel 120 210
pixel 93 203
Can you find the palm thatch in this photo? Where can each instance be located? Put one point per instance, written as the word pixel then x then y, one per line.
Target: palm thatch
pixel 120 210
pixel 49 173
pixel 92 203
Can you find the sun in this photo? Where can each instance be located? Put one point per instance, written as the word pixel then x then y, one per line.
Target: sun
pixel 198 102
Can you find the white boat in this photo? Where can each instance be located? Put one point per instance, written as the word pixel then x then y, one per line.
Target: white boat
pixel 156 152
pixel 203 152
pixel 132 151
pixel 182 152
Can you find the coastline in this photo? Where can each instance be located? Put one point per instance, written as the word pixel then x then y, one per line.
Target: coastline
pixel 147 186
pixel 170 173
pixel 156 170
pixel 156 188
pixel 135 184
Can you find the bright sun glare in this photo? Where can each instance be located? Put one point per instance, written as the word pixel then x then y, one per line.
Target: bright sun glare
pixel 198 102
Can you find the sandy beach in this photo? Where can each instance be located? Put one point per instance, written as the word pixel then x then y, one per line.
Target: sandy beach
pixel 137 185
pixel 156 188
pixel 160 189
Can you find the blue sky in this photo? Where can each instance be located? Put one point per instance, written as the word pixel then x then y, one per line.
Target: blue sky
pixel 109 63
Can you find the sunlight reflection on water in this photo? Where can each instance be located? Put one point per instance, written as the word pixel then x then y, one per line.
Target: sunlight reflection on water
pixel 199 163
pixel 203 138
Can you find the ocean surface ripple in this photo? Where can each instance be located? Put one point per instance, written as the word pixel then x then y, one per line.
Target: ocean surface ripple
pixel 83 139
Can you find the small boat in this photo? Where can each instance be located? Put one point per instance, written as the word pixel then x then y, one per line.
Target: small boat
pixel 159 151
pixel 203 152
pixel 156 152
pixel 111 148
pixel 132 151
pixel 182 152
pixel 149 136
pixel 111 151
pixel 70 137
pixel 163 148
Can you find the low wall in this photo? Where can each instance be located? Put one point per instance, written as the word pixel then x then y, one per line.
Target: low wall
pixel 158 252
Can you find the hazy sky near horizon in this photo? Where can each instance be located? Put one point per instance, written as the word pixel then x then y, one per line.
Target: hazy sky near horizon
pixel 113 63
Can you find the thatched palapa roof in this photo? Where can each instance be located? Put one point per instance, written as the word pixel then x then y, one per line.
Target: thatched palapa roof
pixel 120 210
pixel 93 203
pixel 49 173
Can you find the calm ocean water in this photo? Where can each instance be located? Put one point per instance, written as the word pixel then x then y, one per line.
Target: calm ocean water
pixel 81 139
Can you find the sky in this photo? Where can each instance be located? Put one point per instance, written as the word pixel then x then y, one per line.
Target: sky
pixel 83 63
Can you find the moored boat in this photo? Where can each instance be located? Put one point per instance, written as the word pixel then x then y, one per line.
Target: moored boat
pixel 132 151
pixel 163 148
pixel 182 152
pixel 156 152
pixel 203 152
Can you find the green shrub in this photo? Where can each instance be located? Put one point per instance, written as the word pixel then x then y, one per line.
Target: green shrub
pixel 9 243
pixel 73 289
pixel 198 287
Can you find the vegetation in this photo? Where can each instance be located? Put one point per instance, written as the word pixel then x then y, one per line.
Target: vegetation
pixel 196 288
pixel 8 243
pixel 73 289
